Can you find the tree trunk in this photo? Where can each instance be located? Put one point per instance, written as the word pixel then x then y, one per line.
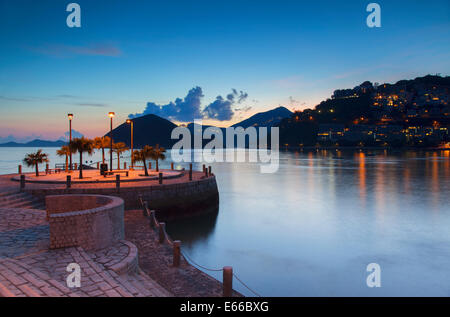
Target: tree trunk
pixel 103 154
pixel 37 170
pixel 145 168
pixel 67 163
pixel 157 165
pixel 81 165
pixel 118 160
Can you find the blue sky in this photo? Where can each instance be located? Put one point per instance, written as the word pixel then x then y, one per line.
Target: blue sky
pixel 128 53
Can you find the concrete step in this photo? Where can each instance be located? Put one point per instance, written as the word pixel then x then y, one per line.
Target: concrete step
pixel 8 193
pixel 23 204
pixel 14 196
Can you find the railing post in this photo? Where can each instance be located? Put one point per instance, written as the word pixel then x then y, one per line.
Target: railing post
pixel 204 168
pixel 152 217
pixel 209 170
pixel 190 171
pixel 117 182
pixel 206 172
pixel 162 234
pixel 176 253
pixel 20 169
pixel 171 166
pixel 160 177
pixel 145 209
pixel 22 182
pixel 68 181
pixel 227 281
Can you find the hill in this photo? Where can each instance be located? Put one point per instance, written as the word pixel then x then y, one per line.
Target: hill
pixel 35 143
pixel 148 130
pixel 265 119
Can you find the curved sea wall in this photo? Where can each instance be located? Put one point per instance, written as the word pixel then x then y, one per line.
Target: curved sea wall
pixel 89 221
pixel 170 201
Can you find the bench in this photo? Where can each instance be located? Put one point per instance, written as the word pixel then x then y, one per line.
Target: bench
pixel 116 172
pixel 55 170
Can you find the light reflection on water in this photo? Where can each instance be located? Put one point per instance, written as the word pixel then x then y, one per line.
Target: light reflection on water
pixel 311 228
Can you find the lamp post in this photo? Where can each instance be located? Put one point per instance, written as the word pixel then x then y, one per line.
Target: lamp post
pixel 111 115
pixel 70 116
pixel 130 122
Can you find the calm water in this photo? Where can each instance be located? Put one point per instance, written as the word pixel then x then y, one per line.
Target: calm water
pixel 311 228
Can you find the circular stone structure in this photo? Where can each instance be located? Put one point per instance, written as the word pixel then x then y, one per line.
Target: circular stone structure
pixel 177 197
pixel 92 222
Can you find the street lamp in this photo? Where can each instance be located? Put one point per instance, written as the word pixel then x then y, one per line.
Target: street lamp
pixel 130 122
pixel 111 115
pixel 70 116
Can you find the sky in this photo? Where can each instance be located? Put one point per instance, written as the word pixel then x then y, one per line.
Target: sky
pixel 220 60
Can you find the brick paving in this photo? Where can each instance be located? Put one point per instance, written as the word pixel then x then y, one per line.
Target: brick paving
pixel 29 268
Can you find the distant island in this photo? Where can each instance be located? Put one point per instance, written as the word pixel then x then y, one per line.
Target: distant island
pixel 35 143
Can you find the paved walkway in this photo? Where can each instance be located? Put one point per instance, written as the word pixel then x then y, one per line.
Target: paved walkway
pixel 29 268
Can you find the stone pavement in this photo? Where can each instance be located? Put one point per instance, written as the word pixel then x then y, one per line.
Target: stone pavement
pixel 29 268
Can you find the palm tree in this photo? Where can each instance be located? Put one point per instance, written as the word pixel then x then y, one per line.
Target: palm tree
pixel 102 143
pixel 119 148
pixel 65 151
pixel 142 156
pixel 34 159
pixel 158 154
pixel 82 145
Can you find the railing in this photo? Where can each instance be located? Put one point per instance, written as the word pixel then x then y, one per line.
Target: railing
pixel 163 237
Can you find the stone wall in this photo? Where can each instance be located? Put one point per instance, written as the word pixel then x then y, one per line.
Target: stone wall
pixel 88 221
pixel 178 200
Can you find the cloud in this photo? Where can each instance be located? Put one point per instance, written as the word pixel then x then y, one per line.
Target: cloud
pixel 188 109
pixel 98 105
pixel 243 109
pixel 67 96
pixel 220 109
pixel 13 99
pixel 62 50
pixel 183 110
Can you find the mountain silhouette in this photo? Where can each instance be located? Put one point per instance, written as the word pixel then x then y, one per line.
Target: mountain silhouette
pixel 148 130
pixel 265 119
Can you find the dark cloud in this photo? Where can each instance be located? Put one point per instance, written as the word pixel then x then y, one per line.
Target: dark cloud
pixel 184 110
pixel 188 109
pixel 221 108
